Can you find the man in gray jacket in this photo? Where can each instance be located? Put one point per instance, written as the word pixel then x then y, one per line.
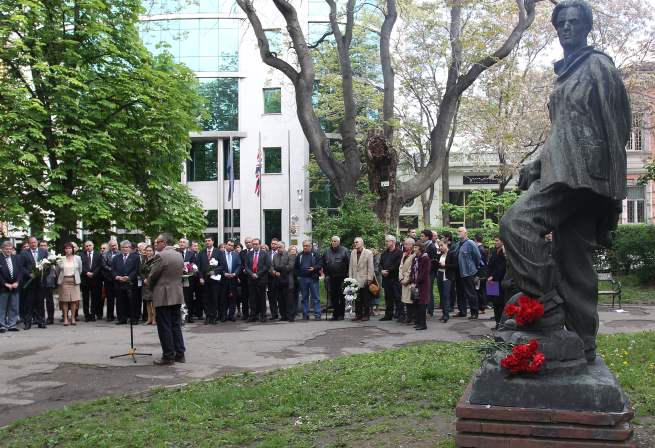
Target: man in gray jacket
pixel 165 280
pixel 336 260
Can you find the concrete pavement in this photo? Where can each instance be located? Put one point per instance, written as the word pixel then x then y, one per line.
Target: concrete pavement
pixel 45 369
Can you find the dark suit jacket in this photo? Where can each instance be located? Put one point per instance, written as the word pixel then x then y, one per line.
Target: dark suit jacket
pixel 4 272
pixel 28 262
pixel 284 264
pixel 203 262
pixel 94 267
pixel 236 267
pixel 106 266
pixel 263 265
pixel 130 268
pixel 190 256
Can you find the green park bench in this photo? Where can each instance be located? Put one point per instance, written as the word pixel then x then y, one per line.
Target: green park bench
pixel 610 286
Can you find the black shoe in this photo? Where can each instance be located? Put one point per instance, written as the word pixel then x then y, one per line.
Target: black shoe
pixel 334 318
pixel 3 330
pixel 51 321
pixel 305 316
pixel 189 319
pixel 87 319
pixel 41 325
pixel 92 318
pixel 262 319
pixel 460 315
pixel 110 319
pixel 292 319
pixel 244 317
pixel 223 319
pixel 180 358
pixel 13 329
pixel 232 319
pixel 121 322
pixel 473 316
pixel 317 317
pixel 252 319
pixel 422 327
pixel 276 317
pixel 385 318
pixel 163 362
pixel 27 325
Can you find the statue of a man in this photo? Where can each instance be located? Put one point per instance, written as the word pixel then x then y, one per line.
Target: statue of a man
pixel 575 188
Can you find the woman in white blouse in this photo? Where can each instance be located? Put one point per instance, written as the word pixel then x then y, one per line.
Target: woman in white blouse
pixel 69 278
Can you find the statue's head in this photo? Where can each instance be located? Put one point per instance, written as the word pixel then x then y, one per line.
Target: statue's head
pixel 573 20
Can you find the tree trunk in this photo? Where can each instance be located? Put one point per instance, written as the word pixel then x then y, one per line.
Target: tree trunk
pixel 426 204
pixel 445 192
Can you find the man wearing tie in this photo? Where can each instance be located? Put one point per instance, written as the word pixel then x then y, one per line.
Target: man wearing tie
pixel 11 273
pixel 258 265
pixel 91 283
pixel 245 294
pixel 210 287
pixel 108 277
pixel 33 309
pixel 272 297
pixel 232 268
pixel 125 268
pixel 189 256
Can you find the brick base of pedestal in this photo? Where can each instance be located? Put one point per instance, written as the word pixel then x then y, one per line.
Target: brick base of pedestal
pixel 485 426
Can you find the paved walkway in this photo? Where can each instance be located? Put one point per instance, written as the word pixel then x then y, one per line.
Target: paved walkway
pixel 44 369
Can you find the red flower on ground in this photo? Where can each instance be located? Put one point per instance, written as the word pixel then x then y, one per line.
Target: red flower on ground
pixel 526 311
pixel 524 358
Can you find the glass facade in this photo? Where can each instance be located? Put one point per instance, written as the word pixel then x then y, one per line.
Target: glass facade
pixel 273 160
pixel 212 218
pixel 204 45
pixel 203 163
pixel 158 7
pixel 222 96
pixel 273 101
pixel 227 220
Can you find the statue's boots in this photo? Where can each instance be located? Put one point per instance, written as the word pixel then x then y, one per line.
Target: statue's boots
pixel 552 320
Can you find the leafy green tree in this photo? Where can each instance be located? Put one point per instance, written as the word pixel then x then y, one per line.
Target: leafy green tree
pixel 352 219
pixel 94 129
pixel 483 206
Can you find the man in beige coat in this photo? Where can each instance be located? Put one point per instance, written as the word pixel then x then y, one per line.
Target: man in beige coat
pixel 361 268
pixel 165 280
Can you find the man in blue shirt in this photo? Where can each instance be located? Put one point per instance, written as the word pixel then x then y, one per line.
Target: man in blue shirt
pixel 468 261
pixel 308 269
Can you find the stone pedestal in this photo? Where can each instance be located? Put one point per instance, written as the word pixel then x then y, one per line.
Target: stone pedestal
pixel 583 408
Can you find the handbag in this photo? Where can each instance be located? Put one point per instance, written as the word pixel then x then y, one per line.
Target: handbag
pixel 493 288
pixel 416 295
pixel 374 287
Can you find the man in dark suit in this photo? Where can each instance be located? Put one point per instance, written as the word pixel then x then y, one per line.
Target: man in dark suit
pixel 258 265
pixel 108 277
pixel 210 288
pixel 11 273
pixel 243 279
pixel 34 311
pixel 91 283
pixel 125 268
pixel 231 262
pixel 188 256
pixel 278 289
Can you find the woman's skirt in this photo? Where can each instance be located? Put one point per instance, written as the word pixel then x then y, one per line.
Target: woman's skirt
pixel 69 291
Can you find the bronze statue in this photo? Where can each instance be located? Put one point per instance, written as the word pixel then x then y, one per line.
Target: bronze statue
pixel 576 186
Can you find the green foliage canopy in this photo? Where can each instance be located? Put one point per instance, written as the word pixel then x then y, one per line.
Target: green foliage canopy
pixel 93 128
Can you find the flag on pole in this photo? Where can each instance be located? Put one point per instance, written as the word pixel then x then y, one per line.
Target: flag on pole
pixel 258 172
pixel 230 171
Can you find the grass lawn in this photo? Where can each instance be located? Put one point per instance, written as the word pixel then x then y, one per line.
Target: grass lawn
pixel 391 398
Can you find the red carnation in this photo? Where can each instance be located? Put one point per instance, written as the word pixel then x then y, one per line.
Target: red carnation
pixel 524 358
pixel 527 311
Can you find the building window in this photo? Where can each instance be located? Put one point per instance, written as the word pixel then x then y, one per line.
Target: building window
pixel 204 45
pixel 480 180
pixel 273 101
pixel 203 162
pixel 212 218
pixel 274 41
pixel 273 160
pixel 227 219
pixel 408 222
pixel 272 225
pixel 158 7
pixel 236 158
pixel 318 8
pixel 636 142
pixel 636 204
pixel 222 100
pixel 235 236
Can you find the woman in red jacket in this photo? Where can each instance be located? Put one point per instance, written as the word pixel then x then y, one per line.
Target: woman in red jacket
pixel 421 278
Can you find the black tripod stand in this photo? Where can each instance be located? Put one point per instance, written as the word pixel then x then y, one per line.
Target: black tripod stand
pixel 131 351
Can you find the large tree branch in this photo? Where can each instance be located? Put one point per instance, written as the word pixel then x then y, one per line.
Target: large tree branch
pixel 264 47
pixel 388 74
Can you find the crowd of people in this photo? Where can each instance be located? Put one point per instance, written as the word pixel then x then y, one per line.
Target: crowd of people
pixel 253 282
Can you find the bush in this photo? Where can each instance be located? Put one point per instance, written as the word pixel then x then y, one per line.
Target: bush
pixel 633 251
pixel 488 233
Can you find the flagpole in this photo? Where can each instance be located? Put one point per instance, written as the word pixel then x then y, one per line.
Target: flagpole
pixel 231 154
pixel 261 184
pixel 289 183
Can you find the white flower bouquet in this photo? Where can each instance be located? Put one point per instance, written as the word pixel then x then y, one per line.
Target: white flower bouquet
pixel 350 289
